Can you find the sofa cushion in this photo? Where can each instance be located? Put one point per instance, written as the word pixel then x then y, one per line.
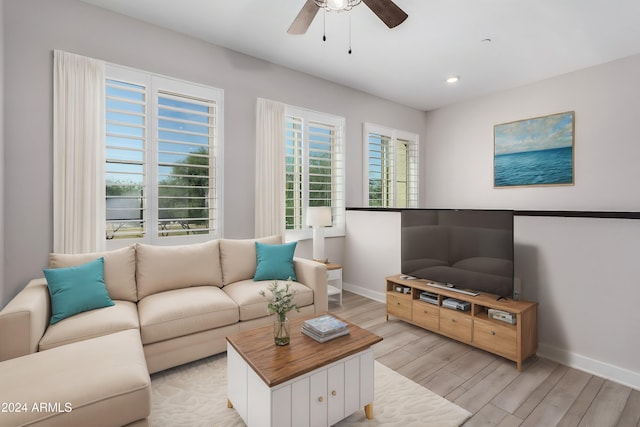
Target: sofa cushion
pixel 164 268
pixel 185 311
pixel 90 324
pixel 275 262
pixel 119 269
pixel 246 293
pixel 238 257
pixel 98 382
pixel 76 289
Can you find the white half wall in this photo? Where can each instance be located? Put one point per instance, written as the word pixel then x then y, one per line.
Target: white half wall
pixel 371 252
pixel 585 275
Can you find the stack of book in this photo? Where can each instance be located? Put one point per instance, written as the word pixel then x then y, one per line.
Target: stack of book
pixel 324 328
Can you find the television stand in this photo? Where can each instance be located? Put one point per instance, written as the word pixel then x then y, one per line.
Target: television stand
pixel 515 342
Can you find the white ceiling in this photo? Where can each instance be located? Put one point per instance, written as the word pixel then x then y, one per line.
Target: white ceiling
pixel 531 40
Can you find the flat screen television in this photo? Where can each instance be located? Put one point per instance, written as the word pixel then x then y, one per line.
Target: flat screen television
pixel 459 248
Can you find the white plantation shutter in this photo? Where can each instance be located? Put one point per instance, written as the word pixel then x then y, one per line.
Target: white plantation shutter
pixel 380 162
pixel 294 173
pixel 322 139
pixel 126 136
pixel 163 167
pixel 391 175
pixel 314 164
pixel 406 172
pixel 186 178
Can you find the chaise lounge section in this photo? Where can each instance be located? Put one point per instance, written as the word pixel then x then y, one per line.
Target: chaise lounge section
pixel 96 382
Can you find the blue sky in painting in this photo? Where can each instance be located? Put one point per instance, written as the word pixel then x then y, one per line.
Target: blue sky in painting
pixel 541 133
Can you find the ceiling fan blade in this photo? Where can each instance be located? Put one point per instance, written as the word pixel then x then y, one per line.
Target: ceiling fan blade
pixel 387 11
pixel 304 18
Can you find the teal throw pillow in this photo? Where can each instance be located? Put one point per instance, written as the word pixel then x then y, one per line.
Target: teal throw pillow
pixel 275 262
pixel 76 289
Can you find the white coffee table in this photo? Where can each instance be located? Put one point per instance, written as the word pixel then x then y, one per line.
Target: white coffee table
pixel 305 383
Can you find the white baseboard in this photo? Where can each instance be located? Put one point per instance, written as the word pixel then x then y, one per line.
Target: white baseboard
pixel 595 367
pixel 365 292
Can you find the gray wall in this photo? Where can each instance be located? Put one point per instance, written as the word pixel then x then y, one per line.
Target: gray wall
pixel 584 273
pixel 33 28
pixel 606 101
pixel 2 168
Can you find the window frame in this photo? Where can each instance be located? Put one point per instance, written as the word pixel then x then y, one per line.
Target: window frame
pixel 413 158
pixel 155 86
pixel 338 209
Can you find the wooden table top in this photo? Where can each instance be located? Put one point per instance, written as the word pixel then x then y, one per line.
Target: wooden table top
pixel 278 364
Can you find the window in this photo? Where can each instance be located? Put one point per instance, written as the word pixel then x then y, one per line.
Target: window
pixel 163 167
pixel 314 162
pixel 391 157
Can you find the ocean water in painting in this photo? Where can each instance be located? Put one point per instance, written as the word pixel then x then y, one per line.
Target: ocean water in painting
pixel 542 167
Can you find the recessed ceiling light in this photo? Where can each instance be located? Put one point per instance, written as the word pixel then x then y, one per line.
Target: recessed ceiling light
pixel 453 79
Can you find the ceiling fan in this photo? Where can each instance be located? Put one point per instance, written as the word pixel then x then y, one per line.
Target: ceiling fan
pixel 386 10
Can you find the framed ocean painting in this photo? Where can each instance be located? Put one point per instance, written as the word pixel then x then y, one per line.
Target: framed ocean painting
pixel 532 152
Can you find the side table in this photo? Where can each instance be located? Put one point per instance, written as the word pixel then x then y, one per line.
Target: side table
pixel 334 281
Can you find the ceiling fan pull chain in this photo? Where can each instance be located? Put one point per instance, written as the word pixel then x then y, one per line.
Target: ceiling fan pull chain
pixel 349 34
pixel 324 26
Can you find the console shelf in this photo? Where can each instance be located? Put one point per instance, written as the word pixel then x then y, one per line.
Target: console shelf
pixel 515 342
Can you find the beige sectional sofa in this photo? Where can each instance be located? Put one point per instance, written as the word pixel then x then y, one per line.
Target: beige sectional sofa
pixel 181 302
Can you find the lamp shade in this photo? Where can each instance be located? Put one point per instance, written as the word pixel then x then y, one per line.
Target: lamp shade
pixel 319 216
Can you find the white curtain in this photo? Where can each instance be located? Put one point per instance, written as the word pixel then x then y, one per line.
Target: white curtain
pixel 78 153
pixel 270 173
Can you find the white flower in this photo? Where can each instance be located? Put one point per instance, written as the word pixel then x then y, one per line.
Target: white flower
pixel 282 300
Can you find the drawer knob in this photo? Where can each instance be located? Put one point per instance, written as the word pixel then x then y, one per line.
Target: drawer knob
pixel 398 303
pixel 334 393
pixel 425 311
pixel 492 332
pixel 320 399
pixel 453 320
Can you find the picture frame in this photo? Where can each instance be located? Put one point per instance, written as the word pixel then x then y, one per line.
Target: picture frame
pixel 535 152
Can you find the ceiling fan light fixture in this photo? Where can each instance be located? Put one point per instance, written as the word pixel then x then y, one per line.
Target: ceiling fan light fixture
pixel 386 10
pixel 337 5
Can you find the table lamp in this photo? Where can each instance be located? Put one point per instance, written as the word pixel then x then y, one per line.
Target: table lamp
pixel 317 218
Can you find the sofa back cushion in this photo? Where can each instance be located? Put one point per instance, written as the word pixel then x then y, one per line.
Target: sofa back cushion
pixel 119 269
pixel 163 268
pixel 238 257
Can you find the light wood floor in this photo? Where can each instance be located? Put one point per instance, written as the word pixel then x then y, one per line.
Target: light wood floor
pixel 545 393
